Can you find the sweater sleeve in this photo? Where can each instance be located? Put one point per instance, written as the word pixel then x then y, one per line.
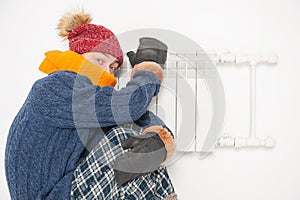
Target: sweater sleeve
pixel 68 100
pixel 149 119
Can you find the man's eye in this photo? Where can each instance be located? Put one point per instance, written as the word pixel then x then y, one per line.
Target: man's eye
pixel 113 68
pixel 98 60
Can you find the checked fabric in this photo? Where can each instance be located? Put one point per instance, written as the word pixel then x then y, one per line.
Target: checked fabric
pixel 94 177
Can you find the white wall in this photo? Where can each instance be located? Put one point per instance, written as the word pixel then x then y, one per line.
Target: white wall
pixel 256 26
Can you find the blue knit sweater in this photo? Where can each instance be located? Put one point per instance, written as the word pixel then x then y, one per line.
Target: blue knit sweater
pixel 49 135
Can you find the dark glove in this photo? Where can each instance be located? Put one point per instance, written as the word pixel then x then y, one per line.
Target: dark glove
pixel 145 155
pixel 150 49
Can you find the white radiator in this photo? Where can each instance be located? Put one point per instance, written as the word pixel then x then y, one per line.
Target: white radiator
pixel 190 100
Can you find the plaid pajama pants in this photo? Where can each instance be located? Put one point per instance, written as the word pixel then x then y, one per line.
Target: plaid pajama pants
pixel 94 177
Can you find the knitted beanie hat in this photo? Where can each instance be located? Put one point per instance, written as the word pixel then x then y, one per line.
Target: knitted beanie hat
pixel 85 37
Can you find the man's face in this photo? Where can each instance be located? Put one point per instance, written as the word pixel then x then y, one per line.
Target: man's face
pixel 103 60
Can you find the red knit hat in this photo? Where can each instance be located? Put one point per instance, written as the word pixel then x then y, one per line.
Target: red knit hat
pixel 85 37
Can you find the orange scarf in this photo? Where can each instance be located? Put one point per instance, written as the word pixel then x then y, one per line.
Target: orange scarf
pixel 69 60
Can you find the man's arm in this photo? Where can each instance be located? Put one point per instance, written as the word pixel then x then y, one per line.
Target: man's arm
pixel 67 100
pixel 147 151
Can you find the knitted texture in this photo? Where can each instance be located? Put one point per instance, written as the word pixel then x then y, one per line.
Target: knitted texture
pixel 69 60
pixel 95 38
pixel 149 66
pixel 48 136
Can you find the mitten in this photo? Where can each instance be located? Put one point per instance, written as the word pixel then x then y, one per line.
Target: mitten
pixel 146 154
pixel 150 49
pixel 150 56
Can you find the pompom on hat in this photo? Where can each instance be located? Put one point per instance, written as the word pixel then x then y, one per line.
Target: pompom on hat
pixel 85 37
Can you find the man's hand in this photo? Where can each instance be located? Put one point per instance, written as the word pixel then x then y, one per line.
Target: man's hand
pixel 149 49
pixel 145 155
